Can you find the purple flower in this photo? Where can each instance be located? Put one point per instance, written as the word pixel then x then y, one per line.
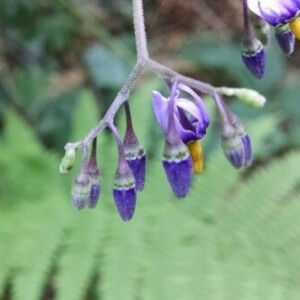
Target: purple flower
pixel 275 12
pixel 182 121
pixel 191 116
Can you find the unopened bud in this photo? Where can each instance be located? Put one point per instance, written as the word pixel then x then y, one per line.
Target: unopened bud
pixel 285 39
pixel 81 191
pixel 178 167
pixel 124 192
pixel 67 161
pixel 93 175
pixel 253 55
pixel 250 97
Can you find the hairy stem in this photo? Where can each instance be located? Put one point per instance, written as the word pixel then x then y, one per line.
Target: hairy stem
pixel 139 30
pixel 143 63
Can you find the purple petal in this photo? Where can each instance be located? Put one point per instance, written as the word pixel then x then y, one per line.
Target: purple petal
pixel 286 41
pixel 275 12
pixel 160 108
pixel 255 62
pixel 138 168
pixel 94 195
pixel 247 150
pixel 125 200
pixel 240 154
pixel 179 174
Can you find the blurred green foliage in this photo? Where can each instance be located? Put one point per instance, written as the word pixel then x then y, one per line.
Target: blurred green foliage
pixel 235 236
pixel 231 238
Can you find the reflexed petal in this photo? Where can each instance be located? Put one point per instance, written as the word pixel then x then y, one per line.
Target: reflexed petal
pixel 275 12
pixel 160 108
pixel 191 117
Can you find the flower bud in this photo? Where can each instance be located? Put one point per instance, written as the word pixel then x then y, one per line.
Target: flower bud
pixel 178 167
pixel 134 153
pixel 81 190
pixel 250 97
pixel 124 191
pixel 136 159
pixel 93 174
pixel 67 161
pixel 253 55
pixel 285 39
pixel 234 140
pixel 237 148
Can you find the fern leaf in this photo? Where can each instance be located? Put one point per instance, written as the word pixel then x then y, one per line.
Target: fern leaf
pixel 76 266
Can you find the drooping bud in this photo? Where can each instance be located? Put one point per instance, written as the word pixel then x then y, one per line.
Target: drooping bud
pixel 285 39
pixel 235 141
pixel 250 97
pixel 253 55
pixel 237 148
pixel 67 161
pixel 81 188
pixel 124 190
pixel 178 167
pixel 262 30
pixel 134 153
pixel 93 173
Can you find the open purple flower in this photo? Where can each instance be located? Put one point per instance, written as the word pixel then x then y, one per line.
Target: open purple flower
pixel 275 12
pixel 191 116
pixel 179 128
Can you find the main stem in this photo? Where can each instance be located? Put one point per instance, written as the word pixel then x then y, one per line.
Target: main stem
pixel 143 63
pixel 139 30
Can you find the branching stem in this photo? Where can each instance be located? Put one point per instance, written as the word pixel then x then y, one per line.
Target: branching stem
pixel 143 63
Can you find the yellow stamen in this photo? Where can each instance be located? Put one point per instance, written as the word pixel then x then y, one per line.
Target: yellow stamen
pixel 295 27
pixel 195 150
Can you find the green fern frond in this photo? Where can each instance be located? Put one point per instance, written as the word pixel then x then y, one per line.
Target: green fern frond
pixel 79 254
pixel 39 257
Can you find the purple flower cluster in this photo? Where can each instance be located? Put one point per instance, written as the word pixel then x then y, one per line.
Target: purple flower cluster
pixel 283 15
pixel 184 120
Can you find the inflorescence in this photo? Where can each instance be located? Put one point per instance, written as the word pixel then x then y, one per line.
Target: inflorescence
pixel 283 15
pixel 181 115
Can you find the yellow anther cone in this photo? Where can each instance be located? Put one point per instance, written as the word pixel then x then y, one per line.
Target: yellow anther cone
pixel 295 27
pixel 195 150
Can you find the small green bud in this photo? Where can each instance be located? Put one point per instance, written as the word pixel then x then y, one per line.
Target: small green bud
pixel 67 161
pixel 250 97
